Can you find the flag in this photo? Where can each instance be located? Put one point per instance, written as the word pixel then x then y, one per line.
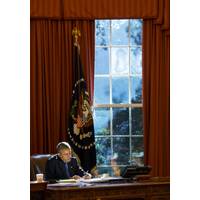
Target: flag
pixel 81 128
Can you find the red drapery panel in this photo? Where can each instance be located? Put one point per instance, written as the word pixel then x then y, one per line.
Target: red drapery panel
pixel 51 72
pixel 156 98
pixel 94 9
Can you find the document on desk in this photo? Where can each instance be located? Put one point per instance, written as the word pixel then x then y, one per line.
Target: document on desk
pixel 84 182
pixel 65 182
pixel 101 180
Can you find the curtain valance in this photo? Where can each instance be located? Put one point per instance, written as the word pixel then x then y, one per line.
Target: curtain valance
pixel 94 9
pixel 104 9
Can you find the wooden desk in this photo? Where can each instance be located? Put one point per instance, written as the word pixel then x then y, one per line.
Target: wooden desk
pixel 35 186
pixel 149 190
pixel 134 191
pixel 37 190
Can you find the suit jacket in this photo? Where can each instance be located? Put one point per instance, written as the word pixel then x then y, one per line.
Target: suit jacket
pixel 55 168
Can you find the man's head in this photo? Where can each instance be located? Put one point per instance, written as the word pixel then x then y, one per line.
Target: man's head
pixel 64 151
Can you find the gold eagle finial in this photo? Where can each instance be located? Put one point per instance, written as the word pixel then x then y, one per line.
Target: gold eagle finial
pixel 76 34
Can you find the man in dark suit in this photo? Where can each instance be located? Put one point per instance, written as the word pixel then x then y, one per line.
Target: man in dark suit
pixel 63 165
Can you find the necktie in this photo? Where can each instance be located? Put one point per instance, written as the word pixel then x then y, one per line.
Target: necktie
pixel 67 170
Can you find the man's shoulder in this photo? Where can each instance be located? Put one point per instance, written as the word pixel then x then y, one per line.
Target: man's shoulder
pixel 53 158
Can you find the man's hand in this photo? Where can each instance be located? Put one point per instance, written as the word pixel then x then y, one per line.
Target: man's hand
pixel 76 177
pixel 87 176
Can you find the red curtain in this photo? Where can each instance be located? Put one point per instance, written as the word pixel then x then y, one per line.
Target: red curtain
pixel 156 97
pixel 156 91
pixel 50 76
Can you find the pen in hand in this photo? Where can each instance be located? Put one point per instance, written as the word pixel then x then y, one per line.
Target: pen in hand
pixel 87 175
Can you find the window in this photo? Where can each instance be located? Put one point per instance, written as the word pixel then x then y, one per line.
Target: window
pixel 118 93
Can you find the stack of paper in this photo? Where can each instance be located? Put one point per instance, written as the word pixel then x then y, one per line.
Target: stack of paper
pixel 67 181
pixel 101 180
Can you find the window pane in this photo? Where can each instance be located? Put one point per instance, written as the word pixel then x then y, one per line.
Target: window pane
pixel 121 148
pixel 137 121
pixel 136 32
pixel 120 90
pixel 102 32
pixel 101 61
pixel 118 83
pixel 101 90
pixel 102 121
pixel 103 150
pixel 120 121
pixel 136 60
pixel 137 150
pixel 119 31
pixel 119 61
pixel 136 89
